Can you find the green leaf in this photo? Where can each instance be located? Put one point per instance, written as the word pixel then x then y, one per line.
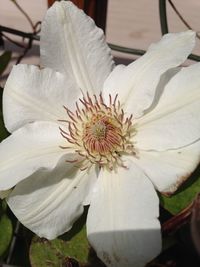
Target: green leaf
pixel 3 206
pixel 61 251
pixel 55 252
pixel 4 60
pixel 5 233
pixel 184 196
pixel 73 244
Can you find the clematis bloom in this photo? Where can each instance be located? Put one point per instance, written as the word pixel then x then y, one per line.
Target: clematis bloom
pixel 86 132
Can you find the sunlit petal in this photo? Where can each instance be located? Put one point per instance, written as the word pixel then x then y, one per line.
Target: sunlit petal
pixel 71 43
pixel 31 94
pixel 136 84
pixel 28 149
pixel 48 202
pixel 169 169
pixel 122 224
pixel 174 122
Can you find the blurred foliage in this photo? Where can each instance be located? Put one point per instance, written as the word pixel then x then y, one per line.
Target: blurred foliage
pixel 5 229
pixel 195 224
pixel 56 252
pixel 3 132
pixel 71 249
pixel 184 196
pixel 4 61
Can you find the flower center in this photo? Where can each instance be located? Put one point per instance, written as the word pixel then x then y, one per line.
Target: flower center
pixel 97 130
pixel 102 135
pixel 99 133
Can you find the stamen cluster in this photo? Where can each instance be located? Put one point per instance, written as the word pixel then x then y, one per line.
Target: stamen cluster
pixel 99 133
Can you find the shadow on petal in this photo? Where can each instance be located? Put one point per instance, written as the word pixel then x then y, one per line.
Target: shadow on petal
pixel 126 248
pixel 46 177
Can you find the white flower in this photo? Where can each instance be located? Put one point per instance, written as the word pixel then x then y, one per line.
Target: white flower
pixel 135 130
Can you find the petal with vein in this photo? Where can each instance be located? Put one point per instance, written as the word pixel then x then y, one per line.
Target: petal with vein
pixel 31 94
pixel 28 149
pixel 169 169
pixel 122 223
pixel 49 201
pixel 71 43
pixel 136 84
pixel 175 121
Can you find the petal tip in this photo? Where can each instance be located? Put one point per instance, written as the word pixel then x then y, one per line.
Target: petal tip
pixel 191 35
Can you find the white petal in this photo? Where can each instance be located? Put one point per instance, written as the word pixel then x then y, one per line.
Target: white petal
pixel 28 149
pixel 31 94
pixel 110 82
pixel 169 169
pixel 122 224
pixel 48 202
pixel 71 43
pixel 136 84
pixel 175 121
pixel 164 79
